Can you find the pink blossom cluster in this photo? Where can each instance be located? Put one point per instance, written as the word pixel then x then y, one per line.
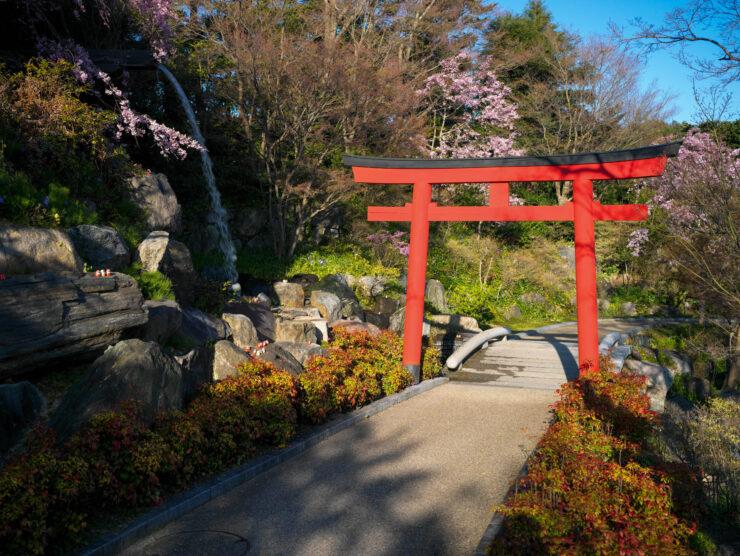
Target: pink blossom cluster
pixel 470 111
pixel 130 122
pixel 396 239
pixel 694 191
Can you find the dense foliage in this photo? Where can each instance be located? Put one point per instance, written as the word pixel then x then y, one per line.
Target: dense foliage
pixel 589 487
pixel 116 460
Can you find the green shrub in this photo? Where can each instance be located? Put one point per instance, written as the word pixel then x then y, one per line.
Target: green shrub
pixel 153 285
pixel 431 364
pixel 211 296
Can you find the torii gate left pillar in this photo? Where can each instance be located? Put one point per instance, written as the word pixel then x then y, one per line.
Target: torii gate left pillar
pixel 581 169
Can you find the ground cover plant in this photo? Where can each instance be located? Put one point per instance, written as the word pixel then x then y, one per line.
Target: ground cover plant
pixel 118 461
pixel 593 486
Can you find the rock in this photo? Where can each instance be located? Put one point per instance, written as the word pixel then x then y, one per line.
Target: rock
pixel 603 305
pixel 386 305
pixel 25 250
pixel 681 363
pixel 153 194
pixel 100 246
pixel 131 369
pixel 435 294
pixel 699 386
pixel 159 252
pixel 200 327
pixel 242 329
pixel 628 309
pixel 289 294
pixel 455 323
pixel 356 326
pixel 536 298
pixel 300 331
pixel 264 298
pixel 301 352
pixel 294 313
pixel 378 319
pixel 398 321
pixel 659 380
pixel 20 405
pixel 226 358
pixel 351 280
pixel 281 358
pixel 604 289
pixel 322 329
pixel 248 222
pixel 197 369
pixel 53 318
pixel 569 254
pixel 337 284
pixel 513 312
pixel 328 304
pixel 304 280
pixel 370 287
pixel 259 313
pixel 165 318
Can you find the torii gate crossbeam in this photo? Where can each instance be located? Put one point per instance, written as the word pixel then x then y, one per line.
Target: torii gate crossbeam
pixel 581 169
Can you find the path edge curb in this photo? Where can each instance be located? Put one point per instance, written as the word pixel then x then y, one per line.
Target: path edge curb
pixel 180 504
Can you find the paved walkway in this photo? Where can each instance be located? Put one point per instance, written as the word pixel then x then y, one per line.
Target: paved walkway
pixel 419 478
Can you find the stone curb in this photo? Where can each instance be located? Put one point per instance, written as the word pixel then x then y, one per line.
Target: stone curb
pixel 497 521
pixel 183 503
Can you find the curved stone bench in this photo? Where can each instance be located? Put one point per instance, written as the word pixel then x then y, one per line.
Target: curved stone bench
pixel 472 344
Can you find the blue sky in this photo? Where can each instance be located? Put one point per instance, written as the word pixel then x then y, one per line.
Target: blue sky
pixel 593 18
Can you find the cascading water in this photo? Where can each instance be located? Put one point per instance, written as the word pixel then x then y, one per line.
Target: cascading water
pixel 218 215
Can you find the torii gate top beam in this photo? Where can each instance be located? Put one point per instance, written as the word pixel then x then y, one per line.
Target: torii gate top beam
pixel 624 164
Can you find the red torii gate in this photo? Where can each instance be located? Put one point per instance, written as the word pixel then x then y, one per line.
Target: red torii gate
pixel 581 169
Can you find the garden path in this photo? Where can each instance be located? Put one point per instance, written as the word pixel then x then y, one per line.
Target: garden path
pixel 418 478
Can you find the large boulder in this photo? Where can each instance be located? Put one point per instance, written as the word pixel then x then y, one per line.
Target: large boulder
pixel 197 369
pixel 302 352
pixel 356 326
pixel 328 304
pixel 659 380
pixel 435 294
pixel 100 246
pixel 378 319
pixel 300 331
pixel 165 318
pixel 386 305
pixel 20 406
pixel 242 329
pixel 337 284
pixel 132 369
pixel 52 318
pixel 227 358
pixel 281 358
pixel 153 194
pixel 370 287
pixel 159 252
pixel 259 313
pixel 25 250
pixel 201 327
pixel 680 364
pixel 289 294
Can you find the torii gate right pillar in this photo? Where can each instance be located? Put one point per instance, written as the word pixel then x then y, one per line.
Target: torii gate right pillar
pixel 586 302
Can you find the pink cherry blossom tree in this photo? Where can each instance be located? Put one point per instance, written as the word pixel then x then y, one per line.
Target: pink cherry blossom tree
pixel 469 111
pixel 152 20
pixel 695 224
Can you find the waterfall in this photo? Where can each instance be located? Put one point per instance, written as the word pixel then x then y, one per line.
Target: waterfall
pixel 217 215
